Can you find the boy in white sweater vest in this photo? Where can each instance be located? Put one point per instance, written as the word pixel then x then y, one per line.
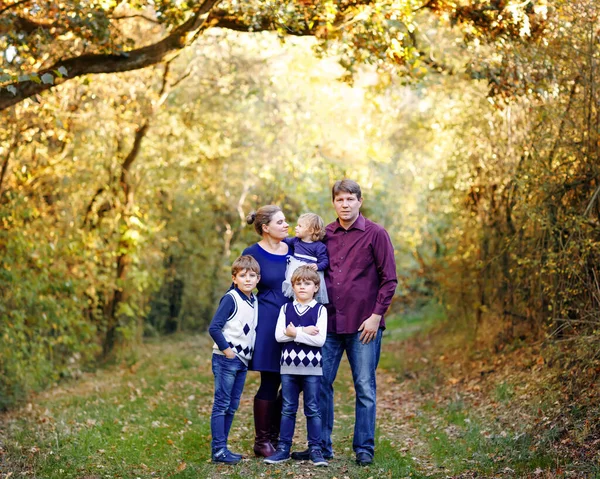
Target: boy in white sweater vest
pixel 233 329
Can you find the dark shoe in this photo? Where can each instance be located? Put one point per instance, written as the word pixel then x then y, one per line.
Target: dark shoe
pixel 281 455
pixel 305 455
pixel 262 426
pixel 225 456
pixel 316 457
pixel 364 459
pixel 235 454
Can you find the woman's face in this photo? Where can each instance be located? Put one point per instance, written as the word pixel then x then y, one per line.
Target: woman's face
pixel 277 228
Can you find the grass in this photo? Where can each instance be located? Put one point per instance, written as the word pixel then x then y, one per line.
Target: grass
pixel 402 326
pixel 150 418
pixel 458 440
pixel 153 420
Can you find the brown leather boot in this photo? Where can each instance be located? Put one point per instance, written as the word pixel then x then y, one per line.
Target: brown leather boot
pixel 262 426
pixel 275 420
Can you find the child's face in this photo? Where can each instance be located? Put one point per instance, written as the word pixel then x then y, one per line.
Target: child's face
pixel 302 230
pixel 246 281
pixel 305 290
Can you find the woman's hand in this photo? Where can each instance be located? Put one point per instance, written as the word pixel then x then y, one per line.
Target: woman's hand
pixel 313 266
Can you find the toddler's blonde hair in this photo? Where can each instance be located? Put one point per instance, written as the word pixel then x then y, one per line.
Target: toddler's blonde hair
pixel 315 224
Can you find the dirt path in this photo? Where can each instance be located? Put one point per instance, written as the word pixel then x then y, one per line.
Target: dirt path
pixel 151 419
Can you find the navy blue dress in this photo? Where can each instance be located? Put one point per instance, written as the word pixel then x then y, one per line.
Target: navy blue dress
pixel 267 351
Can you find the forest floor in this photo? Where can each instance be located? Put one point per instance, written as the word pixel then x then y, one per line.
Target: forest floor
pixel 442 412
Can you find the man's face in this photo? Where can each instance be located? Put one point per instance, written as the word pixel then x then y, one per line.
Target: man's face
pixel 347 206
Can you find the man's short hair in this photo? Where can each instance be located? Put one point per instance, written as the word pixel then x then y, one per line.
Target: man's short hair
pixel 305 273
pixel 245 262
pixel 345 186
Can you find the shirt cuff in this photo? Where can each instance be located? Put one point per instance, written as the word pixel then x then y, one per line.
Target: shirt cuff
pixel 380 309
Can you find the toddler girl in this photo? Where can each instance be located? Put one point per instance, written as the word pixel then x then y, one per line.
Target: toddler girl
pixel 308 249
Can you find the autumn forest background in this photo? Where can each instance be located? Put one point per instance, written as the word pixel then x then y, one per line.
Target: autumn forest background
pixel 136 135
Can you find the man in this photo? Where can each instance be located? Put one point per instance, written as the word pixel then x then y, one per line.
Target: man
pixel 361 280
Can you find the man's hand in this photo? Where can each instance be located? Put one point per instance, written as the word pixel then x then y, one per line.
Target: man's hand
pixel 311 330
pixel 313 266
pixel 369 328
pixel 229 354
pixel 290 331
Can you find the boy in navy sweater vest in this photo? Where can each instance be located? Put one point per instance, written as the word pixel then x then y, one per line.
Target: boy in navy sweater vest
pixel 301 328
pixel 233 329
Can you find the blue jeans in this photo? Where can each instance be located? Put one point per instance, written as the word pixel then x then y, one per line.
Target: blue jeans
pixel 363 359
pixel 230 375
pixel 291 386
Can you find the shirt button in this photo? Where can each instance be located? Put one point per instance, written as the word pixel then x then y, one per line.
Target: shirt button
pixel 340 271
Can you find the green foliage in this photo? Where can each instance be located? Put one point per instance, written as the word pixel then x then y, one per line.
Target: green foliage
pixel 138 183
pixel 101 36
pixel 522 204
pixel 44 333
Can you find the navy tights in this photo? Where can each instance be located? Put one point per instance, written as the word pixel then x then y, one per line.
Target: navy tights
pixel 269 386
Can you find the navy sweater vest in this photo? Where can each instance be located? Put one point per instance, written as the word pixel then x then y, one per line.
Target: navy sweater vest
pixel 299 358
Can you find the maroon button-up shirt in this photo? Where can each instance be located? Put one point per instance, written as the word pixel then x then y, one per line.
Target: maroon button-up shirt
pixel 361 277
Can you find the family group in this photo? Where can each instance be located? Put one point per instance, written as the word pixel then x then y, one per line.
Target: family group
pixel 320 294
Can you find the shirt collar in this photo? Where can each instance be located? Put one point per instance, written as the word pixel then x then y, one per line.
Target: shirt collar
pixel 359 224
pixel 311 304
pixel 249 300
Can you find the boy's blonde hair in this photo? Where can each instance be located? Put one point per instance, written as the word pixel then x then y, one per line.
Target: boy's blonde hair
pixel 315 224
pixel 245 262
pixel 305 273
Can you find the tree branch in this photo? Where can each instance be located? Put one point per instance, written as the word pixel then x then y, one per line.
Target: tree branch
pixel 144 17
pixel 11 148
pixel 591 203
pixel 223 19
pixel 8 7
pixel 428 58
pixel 17 23
pixel 111 63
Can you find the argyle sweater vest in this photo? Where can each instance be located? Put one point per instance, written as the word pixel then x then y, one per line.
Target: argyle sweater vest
pixel 299 358
pixel 240 329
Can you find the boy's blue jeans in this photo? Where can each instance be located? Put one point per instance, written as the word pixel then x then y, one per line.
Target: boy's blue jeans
pixel 291 386
pixel 230 375
pixel 363 359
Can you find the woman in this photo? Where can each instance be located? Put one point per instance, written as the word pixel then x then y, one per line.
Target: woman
pixel 272 254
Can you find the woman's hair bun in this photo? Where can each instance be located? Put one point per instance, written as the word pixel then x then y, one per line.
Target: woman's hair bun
pixel 251 217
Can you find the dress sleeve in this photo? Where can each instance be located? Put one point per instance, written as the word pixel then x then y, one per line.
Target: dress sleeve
pixel 322 256
pixel 224 311
pixel 291 242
